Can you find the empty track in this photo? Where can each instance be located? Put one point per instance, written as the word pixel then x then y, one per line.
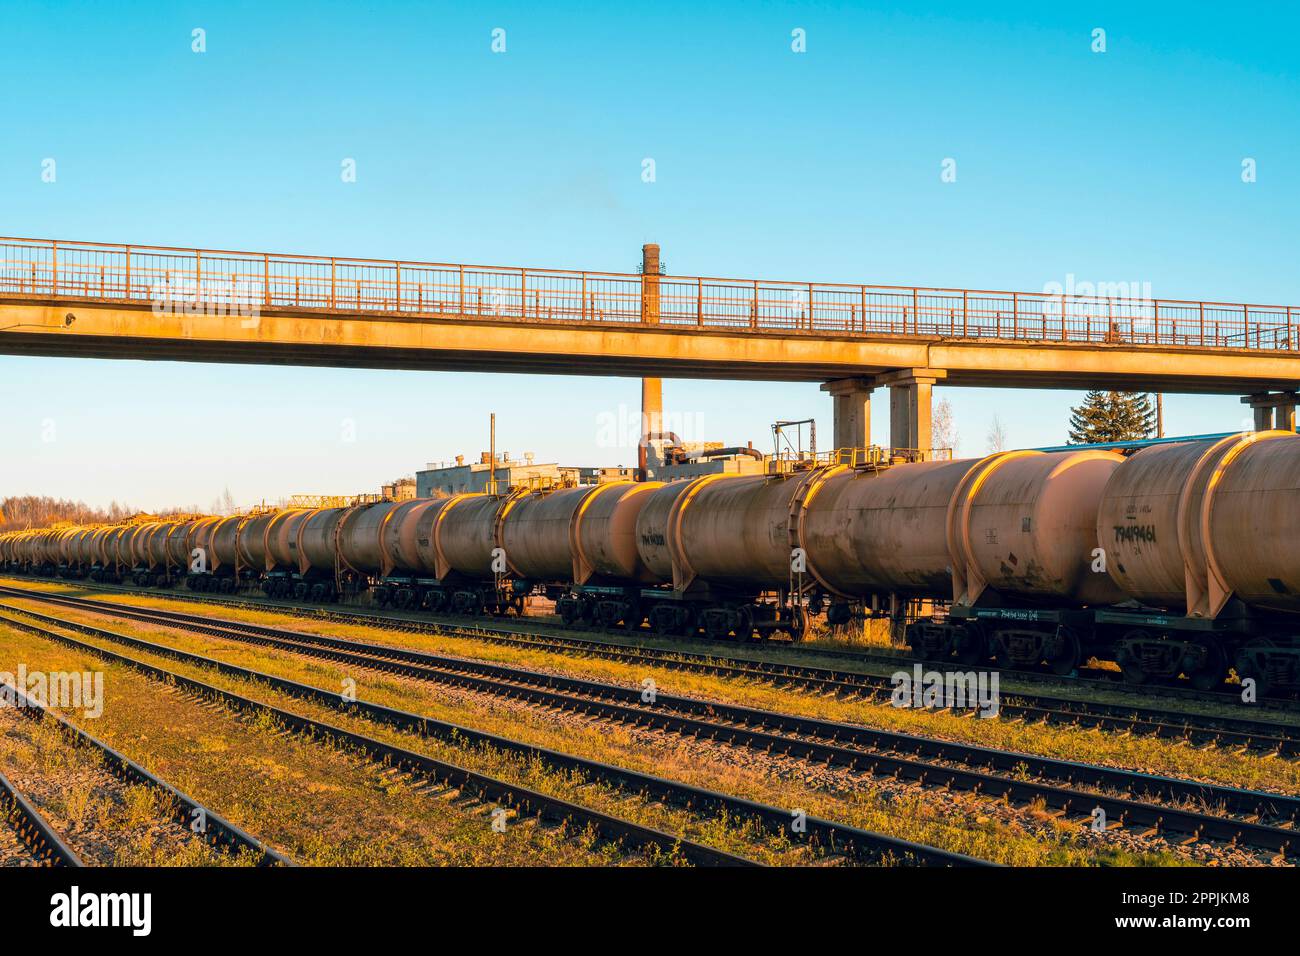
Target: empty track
pixel 33 831
pixel 185 812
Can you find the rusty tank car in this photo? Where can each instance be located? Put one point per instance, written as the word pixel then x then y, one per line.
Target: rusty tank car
pixel 1020 534
pixel 1208 531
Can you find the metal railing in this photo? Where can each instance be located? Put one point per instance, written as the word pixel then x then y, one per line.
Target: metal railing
pixel 219 282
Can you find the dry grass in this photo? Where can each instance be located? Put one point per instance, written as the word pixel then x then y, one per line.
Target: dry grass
pixel 312 801
pixel 103 819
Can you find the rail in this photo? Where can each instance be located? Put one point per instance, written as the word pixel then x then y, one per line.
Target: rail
pixel 224 282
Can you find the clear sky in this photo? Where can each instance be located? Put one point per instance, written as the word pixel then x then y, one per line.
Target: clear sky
pixel 1122 166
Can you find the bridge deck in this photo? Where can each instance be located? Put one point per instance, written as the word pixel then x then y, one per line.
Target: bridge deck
pixel 209 305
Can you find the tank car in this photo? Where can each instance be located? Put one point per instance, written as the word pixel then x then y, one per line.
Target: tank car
pixel 1201 537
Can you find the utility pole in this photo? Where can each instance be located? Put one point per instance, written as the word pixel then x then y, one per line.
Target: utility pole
pixel 1160 415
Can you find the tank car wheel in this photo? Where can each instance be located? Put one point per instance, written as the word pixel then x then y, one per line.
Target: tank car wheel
pixel 745 625
pixel 914 638
pixel 715 627
pixel 663 621
pixel 1130 666
pixel 1070 657
pixel 799 624
pixel 1001 655
pixel 1134 674
pixel 972 645
pixel 686 624
pixel 569 613
pixel 1214 671
pixel 1246 668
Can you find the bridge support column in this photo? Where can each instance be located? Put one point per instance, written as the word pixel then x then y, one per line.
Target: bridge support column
pixel 910 392
pixel 851 398
pixel 1286 416
pixel 1273 410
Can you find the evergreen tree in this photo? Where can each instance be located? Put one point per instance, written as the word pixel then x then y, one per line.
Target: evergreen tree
pixel 1112 416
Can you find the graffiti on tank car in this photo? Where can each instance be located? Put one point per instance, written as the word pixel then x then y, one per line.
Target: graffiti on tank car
pixel 1135 534
pixel 653 538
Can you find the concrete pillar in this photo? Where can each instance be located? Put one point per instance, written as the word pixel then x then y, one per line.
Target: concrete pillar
pixel 909 413
pixel 851 398
pixel 1276 410
pixel 1285 417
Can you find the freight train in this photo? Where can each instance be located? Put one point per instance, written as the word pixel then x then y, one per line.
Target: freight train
pixel 1182 560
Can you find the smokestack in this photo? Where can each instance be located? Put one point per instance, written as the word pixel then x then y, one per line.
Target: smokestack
pixel 652 389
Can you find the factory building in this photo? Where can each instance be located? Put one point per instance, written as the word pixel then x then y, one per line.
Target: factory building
pixel 460 476
pixel 453 478
pixel 687 460
pixel 403 489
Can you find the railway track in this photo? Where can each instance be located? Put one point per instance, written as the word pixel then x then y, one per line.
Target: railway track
pixel 185 811
pixel 1244 734
pixel 32 830
pixel 839 839
pixel 1066 787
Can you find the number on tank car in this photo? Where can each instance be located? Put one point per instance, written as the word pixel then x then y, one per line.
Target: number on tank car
pixel 1007 615
pixel 1131 533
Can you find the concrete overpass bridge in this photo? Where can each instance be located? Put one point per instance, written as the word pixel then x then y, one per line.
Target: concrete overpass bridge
pixel 95 300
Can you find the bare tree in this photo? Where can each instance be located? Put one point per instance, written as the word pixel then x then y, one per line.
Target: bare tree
pixel 31 511
pixel 997 437
pixel 943 428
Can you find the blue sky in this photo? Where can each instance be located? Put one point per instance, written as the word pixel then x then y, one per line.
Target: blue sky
pixel 1118 166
